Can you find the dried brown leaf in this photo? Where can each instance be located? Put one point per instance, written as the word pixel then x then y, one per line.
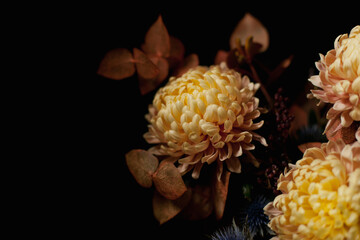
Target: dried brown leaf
pixel 157 40
pixel 250 26
pixel 147 71
pixel 165 209
pixel 251 48
pixel 221 56
pixel 276 73
pixel 145 67
pixel 220 191
pixel 117 64
pixel 177 51
pixel 300 119
pixel 168 181
pixel 201 204
pixel 190 61
pixel 163 66
pixel 142 165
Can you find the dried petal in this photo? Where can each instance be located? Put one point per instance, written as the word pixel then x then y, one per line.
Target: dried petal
pixel 305 146
pixel 117 64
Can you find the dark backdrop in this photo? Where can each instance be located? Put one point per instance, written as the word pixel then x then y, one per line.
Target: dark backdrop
pixel 114 204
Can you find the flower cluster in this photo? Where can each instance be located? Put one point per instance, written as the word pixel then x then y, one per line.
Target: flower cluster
pixel 339 81
pixel 205 123
pixel 321 193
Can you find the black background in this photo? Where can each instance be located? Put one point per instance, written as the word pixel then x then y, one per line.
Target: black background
pixel 113 205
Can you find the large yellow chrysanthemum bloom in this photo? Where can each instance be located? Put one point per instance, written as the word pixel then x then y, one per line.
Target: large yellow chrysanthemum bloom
pixel 320 195
pixel 205 116
pixel 339 80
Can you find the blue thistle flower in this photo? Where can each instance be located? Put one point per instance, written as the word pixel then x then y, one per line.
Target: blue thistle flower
pixel 232 232
pixel 312 133
pixel 253 218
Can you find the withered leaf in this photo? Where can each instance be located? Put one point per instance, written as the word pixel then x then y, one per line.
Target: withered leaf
pixel 221 56
pixel 157 40
pixel 165 209
pixel 177 51
pixel 304 146
pixel 200 205
pixel 190 61
pixel 300 120
pixel 117 64
pixel 168 181
pixel 163 66
pixel 220 191
pixel 147 71
pixel 276 73
pixel 250 26
pixel 142 165
pixel 145 67
pixel 251 48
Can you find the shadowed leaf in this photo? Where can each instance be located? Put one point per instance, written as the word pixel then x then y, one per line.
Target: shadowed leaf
pixel 177 51
pixel 251 48
pixel 305 146
pixel 117 64
pixel 165 209
pixel 276 73
pixel 190 61
pixel 220 191
pixel 200 206
pixel 157 40
pixel 142 165
pixel 148 72
pixel 168 181
pixel 300 119
pixel 221 56
pixel 250 26
pixel 163 66
pixel 145 67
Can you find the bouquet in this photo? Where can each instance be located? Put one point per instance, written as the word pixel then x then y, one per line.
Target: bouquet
pixel 294 169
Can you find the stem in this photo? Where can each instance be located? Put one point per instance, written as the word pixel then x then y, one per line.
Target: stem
pixel 262 88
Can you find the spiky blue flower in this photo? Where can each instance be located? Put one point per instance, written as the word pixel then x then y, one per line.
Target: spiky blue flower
pixel 253 219
pixel 232 232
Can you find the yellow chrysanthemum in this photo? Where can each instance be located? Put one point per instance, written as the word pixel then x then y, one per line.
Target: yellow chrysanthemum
pixel 206 115
pixel 339 80
pixel 320 195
